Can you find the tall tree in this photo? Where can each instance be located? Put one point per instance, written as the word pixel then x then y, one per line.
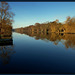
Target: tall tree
pixel 6 16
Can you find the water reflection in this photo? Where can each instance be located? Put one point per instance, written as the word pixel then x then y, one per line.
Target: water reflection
pixel 6 48
pixel 66 39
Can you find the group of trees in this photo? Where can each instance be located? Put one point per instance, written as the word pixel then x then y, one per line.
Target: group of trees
pixel 6 20
pixel 67 27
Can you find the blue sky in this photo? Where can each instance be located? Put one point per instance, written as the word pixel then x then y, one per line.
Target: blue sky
pixel 29 13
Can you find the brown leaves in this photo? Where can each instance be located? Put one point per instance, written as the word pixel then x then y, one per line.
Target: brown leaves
pixel 5 15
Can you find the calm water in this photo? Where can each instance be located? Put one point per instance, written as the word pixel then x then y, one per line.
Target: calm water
pixel 28 55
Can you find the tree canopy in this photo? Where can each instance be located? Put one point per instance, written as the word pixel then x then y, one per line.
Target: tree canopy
pixel 6 16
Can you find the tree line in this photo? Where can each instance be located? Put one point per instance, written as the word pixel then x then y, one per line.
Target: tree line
pixel 49 27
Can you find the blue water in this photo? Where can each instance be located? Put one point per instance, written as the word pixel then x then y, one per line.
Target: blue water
pixel 38 56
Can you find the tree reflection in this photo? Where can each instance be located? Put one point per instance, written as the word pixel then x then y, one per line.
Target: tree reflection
pixel 67 39
pixel 6 49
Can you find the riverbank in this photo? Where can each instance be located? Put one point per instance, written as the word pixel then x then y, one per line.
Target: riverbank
pixel 67 27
